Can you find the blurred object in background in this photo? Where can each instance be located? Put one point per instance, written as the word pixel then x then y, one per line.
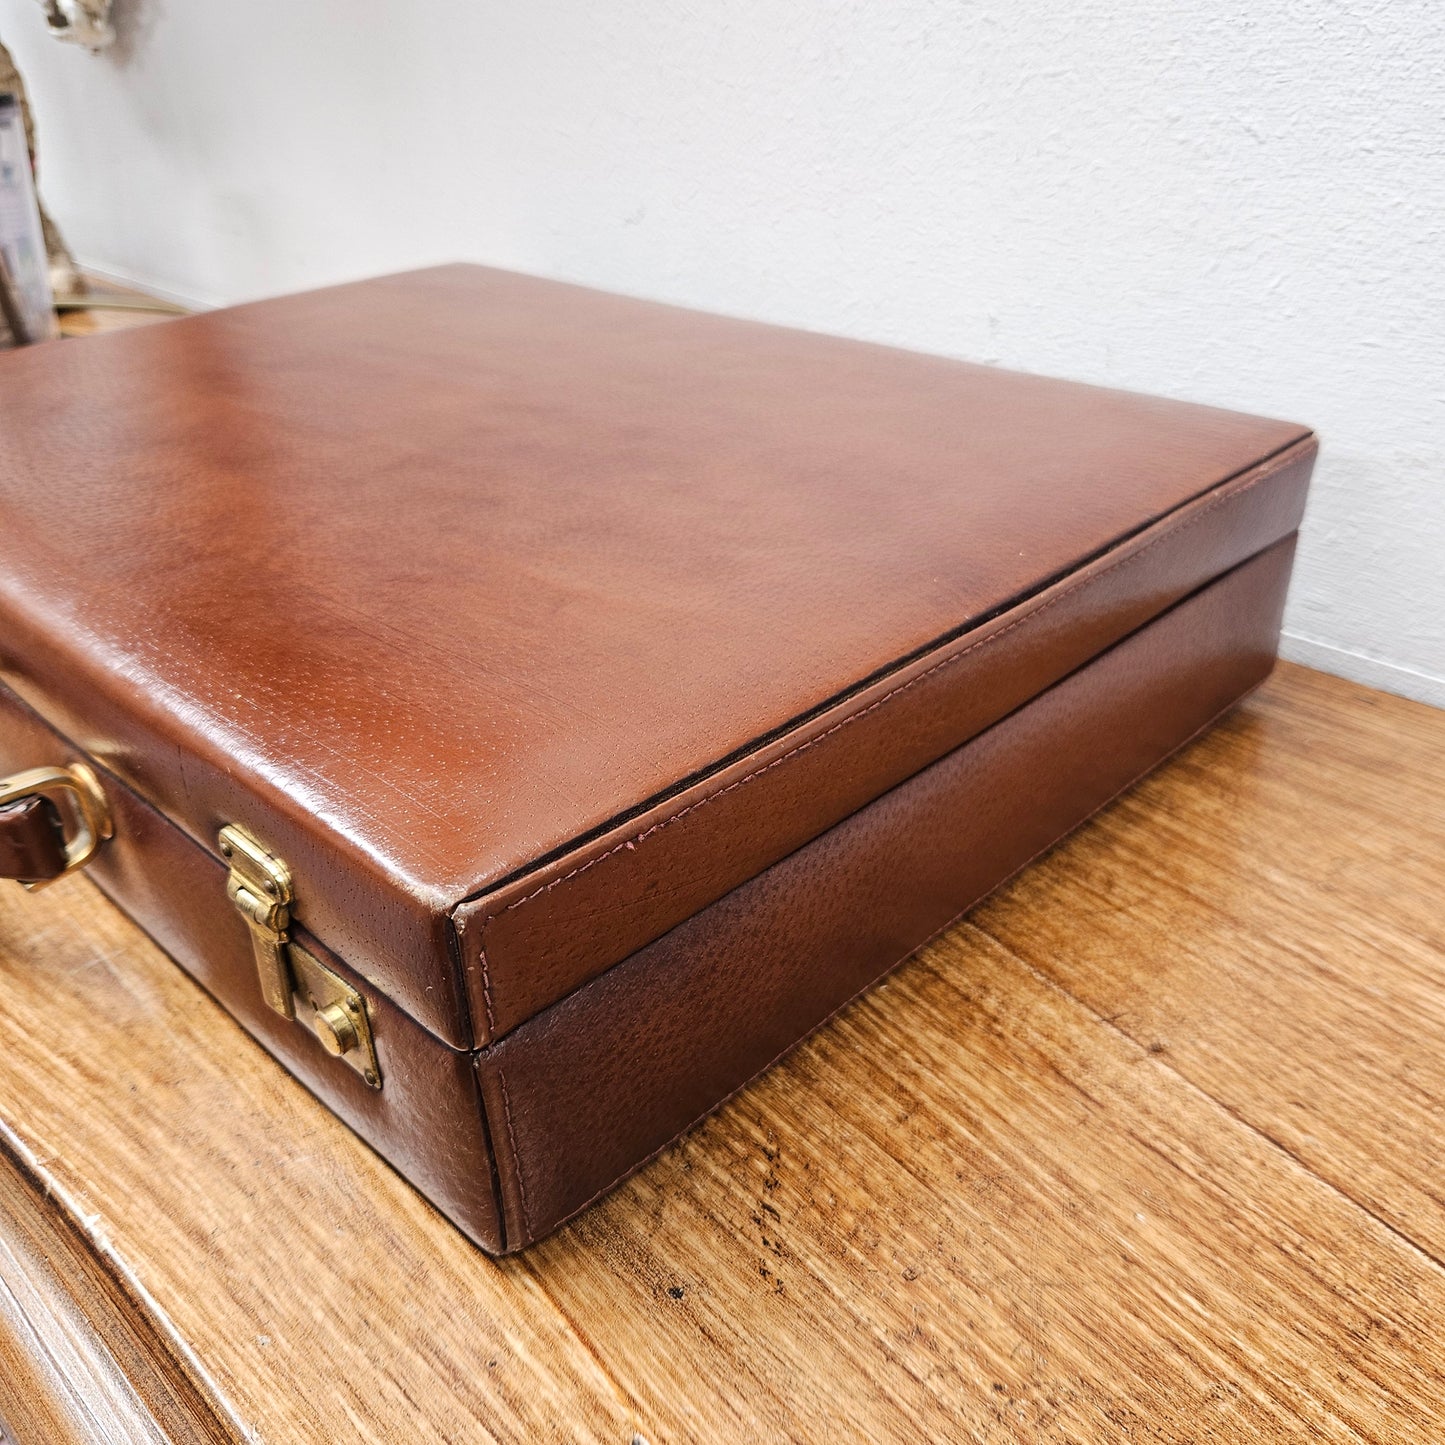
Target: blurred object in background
pixel 26 302
pixel 81 22
pixel 38 275
pixel 64 273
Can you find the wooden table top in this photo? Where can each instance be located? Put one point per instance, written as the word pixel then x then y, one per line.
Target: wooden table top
pixel 1142 1150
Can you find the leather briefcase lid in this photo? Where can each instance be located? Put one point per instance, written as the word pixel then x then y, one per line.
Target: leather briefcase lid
pixel 432 580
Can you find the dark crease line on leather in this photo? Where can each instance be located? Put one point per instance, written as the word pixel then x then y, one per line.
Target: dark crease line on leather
pixel 1169 533
pixel 516 1156
pixel 452 947
pixel 943 928
pixel 489 1143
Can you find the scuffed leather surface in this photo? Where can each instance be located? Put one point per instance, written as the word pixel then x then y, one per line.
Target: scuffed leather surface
pixel 32 843
pixel 581 1094
pixel 426 1121
pixel 428 578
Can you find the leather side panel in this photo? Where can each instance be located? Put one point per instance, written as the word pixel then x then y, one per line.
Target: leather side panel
pixel 528 945
pixel 594 1085
pixel 426 1120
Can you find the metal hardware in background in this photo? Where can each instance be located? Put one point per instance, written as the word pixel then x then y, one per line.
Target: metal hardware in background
pixel 295 983
pixel 76 793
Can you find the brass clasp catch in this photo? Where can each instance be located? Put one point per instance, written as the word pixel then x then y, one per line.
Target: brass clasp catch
pixel 295 983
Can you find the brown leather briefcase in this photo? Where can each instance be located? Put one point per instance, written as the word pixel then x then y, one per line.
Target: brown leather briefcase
pixel 530 711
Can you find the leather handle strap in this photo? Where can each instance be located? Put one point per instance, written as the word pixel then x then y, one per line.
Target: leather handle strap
pixel 32 840
pixel 43 810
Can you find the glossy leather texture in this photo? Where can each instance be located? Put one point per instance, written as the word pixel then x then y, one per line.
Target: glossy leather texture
pixel 529 944
pixel 583 1093
pixel 32 843
pixel 465 591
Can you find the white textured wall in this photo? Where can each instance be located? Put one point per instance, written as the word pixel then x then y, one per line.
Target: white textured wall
pixel 1235 201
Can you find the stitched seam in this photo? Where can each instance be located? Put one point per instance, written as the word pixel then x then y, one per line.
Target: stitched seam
pixel 516 1157
pixel 1172 533
pixel 486 986
pixel 897 963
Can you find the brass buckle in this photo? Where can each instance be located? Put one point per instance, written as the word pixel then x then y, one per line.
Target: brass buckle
pixel 89 813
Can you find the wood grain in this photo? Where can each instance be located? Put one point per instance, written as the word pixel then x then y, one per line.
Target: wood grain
pixel 1297 973
pixel 322 1296
pixel 84 1358
pixel 1145 1149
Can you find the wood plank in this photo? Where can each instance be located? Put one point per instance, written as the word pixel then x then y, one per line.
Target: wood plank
pixel 978 1206
pixel 1267 915
pixel 1026 1227
pixel 82 1357
pixel 322 1296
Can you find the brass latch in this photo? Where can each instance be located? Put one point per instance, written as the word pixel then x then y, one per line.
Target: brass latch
pixel 293 981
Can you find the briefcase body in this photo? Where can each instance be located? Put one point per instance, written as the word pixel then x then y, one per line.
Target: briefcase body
pixel 530 711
